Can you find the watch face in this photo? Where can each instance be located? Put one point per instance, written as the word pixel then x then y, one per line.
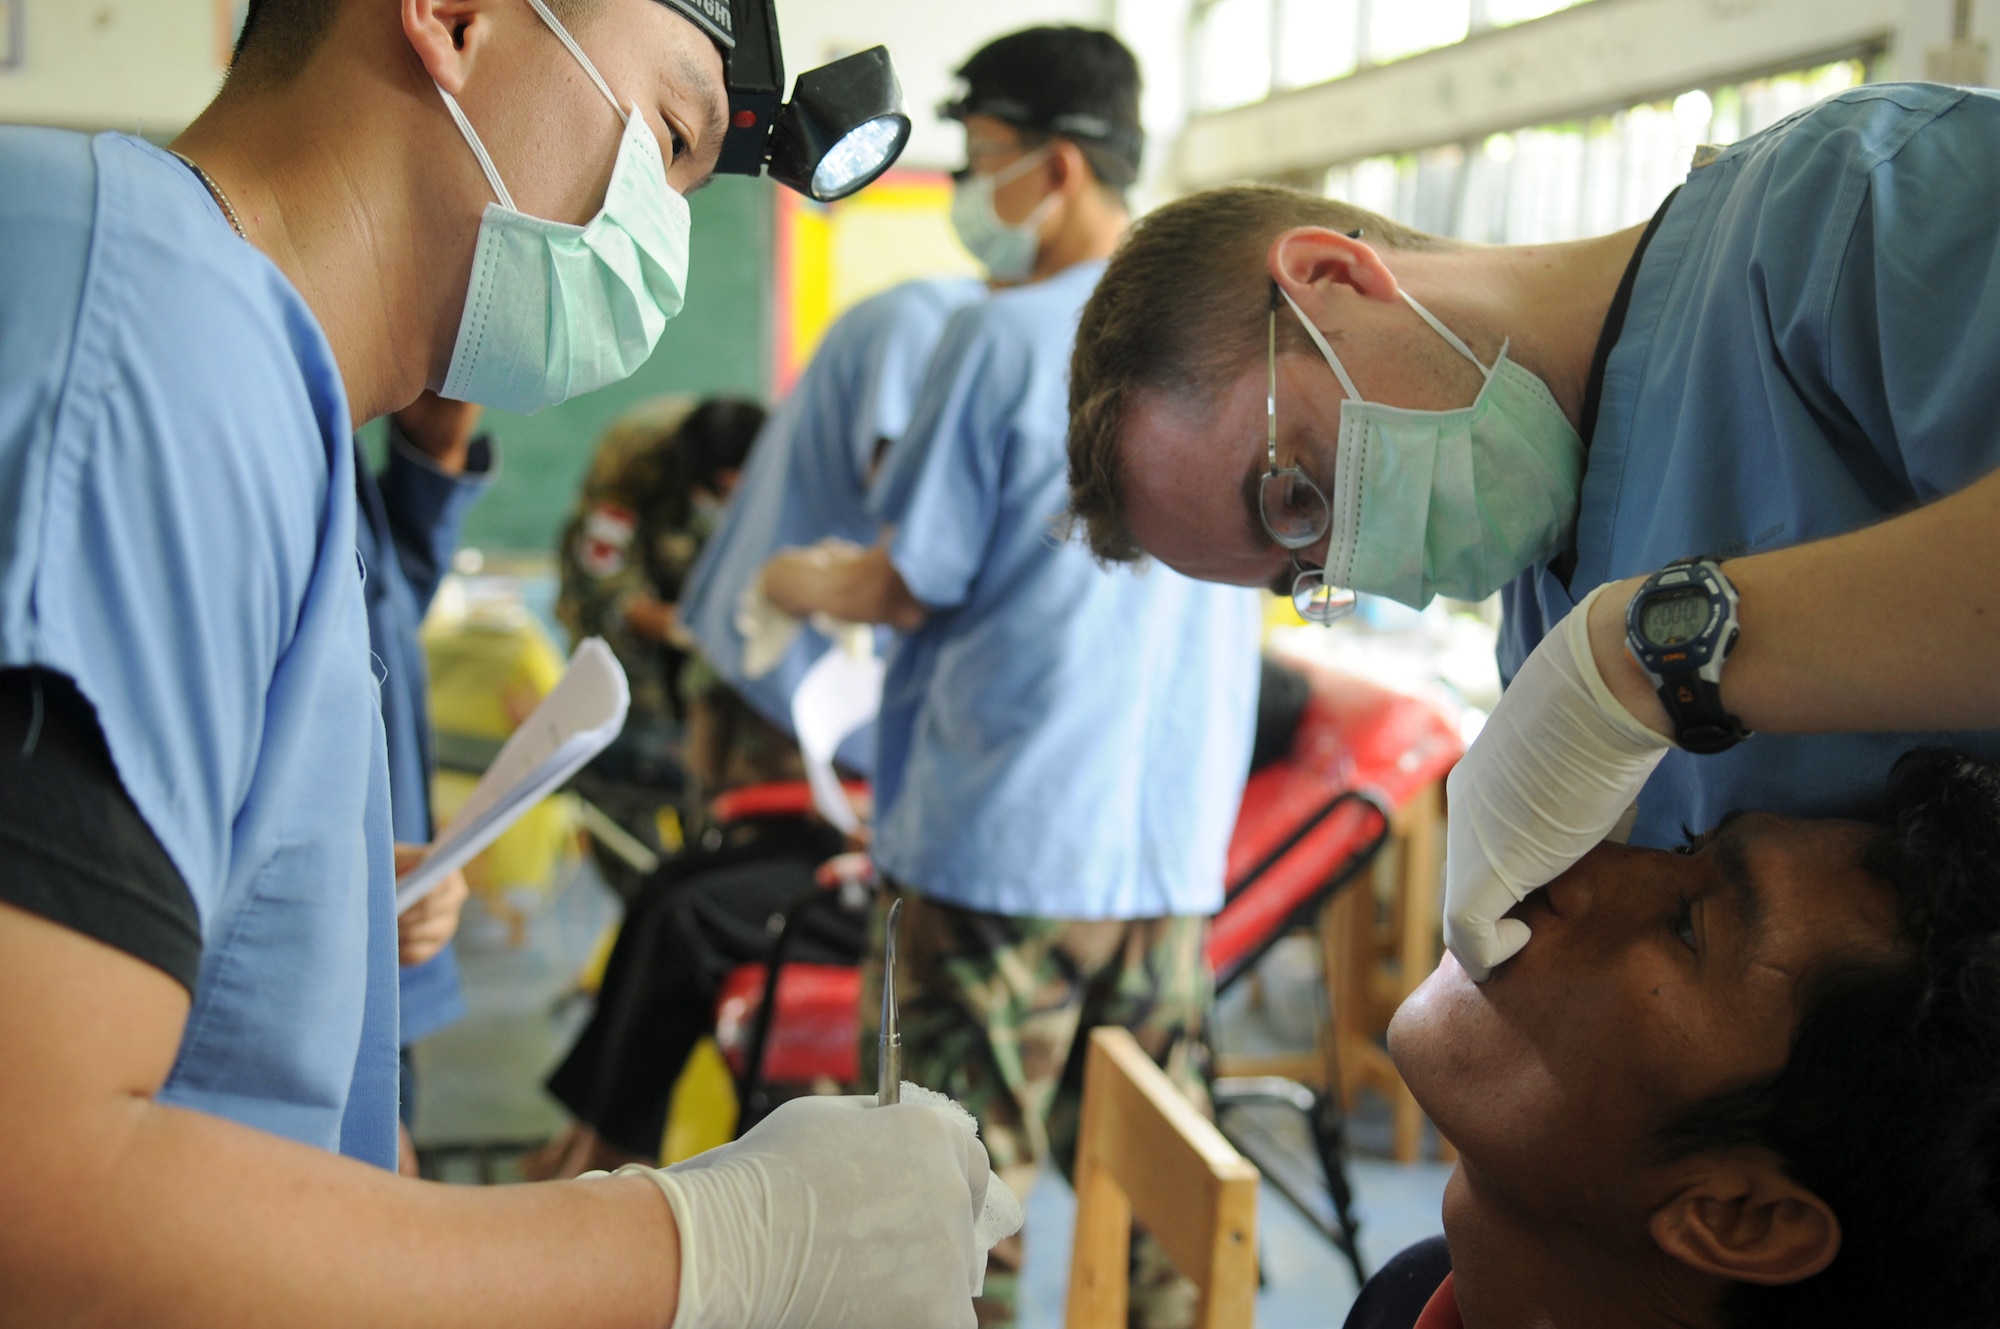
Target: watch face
pixel 1674 618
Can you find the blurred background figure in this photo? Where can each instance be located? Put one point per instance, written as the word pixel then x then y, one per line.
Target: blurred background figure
pixel 808 481
pixel 708 910
pixel 649 502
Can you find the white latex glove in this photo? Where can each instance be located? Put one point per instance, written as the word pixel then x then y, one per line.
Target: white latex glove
pixel 767 631
pixel 1545 782
pixel 836 1214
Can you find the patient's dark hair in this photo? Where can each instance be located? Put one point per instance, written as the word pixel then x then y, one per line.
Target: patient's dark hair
pixel 1889 1107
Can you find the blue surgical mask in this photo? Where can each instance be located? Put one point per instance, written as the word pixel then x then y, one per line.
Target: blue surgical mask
pixel 1006 252
pixel 1457 503
pixel 554 310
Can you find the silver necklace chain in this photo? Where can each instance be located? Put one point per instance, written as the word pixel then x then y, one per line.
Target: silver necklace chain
pixel 228 209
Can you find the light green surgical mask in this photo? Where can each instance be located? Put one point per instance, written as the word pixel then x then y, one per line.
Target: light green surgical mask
pixel 555 310
pixel 1457 503
pixel 1007 252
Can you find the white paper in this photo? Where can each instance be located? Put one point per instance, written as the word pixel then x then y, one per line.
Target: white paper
pixel 838 695
pixel 575 721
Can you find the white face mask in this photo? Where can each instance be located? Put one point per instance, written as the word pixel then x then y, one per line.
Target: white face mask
pixel 1006 252
pixel 555 310
pixel 1457 503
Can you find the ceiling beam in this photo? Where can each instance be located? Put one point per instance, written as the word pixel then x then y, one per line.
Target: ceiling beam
pixel 1597 57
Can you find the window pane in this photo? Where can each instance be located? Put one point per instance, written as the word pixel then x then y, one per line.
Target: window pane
pixel 1370 184
pixel 1317 40
pixel 1233 54
pixel 1566 181
pixel 1769 100
pixel 1397 28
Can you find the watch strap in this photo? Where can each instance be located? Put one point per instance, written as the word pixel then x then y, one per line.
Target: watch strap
pixel 1701 724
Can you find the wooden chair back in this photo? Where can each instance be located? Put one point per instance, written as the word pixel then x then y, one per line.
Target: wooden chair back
pixel 1146 1153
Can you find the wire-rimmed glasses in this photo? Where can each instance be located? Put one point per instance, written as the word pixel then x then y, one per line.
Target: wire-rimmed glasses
pixel 1295 511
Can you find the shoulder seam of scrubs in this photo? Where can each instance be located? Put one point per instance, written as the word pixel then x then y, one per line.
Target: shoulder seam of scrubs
pixel 1861 186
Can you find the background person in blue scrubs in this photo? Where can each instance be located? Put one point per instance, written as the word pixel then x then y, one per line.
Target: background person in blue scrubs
pixel 1792 368
pixel 809 477
pixel 1062 747
pixel 197 941
pixel 708 910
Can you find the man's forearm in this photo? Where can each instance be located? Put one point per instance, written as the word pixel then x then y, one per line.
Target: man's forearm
pixel 115 1210
pixel 194 1221
pixel 864 588
pixel 1894 627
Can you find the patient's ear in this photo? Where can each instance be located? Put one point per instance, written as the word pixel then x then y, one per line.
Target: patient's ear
pixel 1741 1218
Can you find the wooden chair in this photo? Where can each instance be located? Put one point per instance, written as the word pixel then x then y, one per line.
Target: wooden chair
pixel 1374 957
pixel 1145 1153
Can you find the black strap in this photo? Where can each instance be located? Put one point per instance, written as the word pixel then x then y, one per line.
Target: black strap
pixel 1701 724
pixel 1564 564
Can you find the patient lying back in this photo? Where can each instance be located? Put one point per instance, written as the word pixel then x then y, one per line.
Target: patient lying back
pixel 1754 1081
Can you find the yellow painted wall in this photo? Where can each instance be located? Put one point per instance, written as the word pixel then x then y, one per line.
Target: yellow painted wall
pixel 835 256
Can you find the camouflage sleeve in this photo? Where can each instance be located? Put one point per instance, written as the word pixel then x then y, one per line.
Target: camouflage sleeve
pixel 600 575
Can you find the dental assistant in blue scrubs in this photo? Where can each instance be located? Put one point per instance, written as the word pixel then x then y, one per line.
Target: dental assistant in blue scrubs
pixel 1793 370
pixel 1062 746
pixel 809 477
pixel 198 962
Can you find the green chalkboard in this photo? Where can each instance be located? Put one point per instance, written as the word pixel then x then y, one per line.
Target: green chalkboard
pixel 721 342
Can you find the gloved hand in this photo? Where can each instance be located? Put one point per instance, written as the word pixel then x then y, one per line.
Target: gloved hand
pixel 1545 782
pixel 836 1214
pixel 767 631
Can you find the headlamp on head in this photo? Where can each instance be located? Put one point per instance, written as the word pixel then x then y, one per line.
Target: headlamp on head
pixel 1123 143
pixel 843 127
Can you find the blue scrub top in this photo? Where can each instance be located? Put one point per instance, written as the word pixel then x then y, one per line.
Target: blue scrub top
pixel 406 526
pixel 1059 739
pixel 1813 345
pixel 177 536
pixel 808 479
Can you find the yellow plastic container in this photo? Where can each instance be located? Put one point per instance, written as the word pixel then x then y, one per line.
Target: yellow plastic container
pixel 488 673
pixel 702 1112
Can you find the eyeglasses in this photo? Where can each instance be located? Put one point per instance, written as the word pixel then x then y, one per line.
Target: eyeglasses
pixel 1295 511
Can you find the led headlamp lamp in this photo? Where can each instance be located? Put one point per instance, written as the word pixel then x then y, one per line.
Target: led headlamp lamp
pixel 844 125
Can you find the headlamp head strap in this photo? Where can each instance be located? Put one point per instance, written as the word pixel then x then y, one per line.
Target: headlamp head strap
pixel 714 17
pixel 1126 141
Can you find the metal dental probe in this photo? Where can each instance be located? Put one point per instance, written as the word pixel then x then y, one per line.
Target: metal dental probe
pixel 889 1050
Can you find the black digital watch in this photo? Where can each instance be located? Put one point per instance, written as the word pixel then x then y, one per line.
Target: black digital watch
pixel 1680 627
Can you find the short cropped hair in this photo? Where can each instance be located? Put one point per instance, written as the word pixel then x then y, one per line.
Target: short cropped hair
pixel 1076 83
pixel 1182 309
pixel 280 36
pixel 1888 1107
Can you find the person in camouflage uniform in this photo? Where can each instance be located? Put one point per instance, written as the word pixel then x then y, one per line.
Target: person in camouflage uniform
pixel 649 503
pixel 661 473
pixel 996 1011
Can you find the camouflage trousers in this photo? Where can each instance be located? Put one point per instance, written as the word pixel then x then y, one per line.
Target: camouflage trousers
pixel 996 1011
